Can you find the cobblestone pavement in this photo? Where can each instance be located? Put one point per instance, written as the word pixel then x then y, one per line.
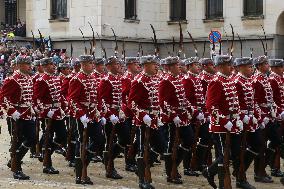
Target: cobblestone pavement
pixel 65 179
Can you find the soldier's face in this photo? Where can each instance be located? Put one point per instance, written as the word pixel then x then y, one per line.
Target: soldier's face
pixel 114 67
pixel 278 70
pixel 210 68
pixel 174 69
pixel 25 68
pixel 133 68
pixel 100 68
pixel 66 71
pixel 151 68
pixel 194 68
pixel 87 67
pixel 225 69
pixel 39 68
pixel 246 70
pixel 264 67
pixel 50 68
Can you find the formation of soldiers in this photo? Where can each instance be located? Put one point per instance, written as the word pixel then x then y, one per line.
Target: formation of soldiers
pixel 94 109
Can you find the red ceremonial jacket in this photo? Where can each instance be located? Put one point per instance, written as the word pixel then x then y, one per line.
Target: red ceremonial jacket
pixel 222 103
pixel 47 96
pixel 82 96
pixel 277 85
pixel 263 95
pixel 143 99
pixel 110 95
pixel 16 95
pixel 246 99
pixel 126 85
pixel 172 100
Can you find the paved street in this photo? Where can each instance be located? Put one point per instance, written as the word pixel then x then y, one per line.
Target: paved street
pixel 65 179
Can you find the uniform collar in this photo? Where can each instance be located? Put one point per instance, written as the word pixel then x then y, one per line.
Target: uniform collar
pixel 223 75
pixel 193 74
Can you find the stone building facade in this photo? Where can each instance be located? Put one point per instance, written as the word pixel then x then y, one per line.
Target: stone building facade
pixel 131 19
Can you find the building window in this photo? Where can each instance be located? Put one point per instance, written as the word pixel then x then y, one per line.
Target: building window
pixel 253 7
pixel 214 9
pixel 130 9
pixel 58 9
pixel 177 10
pixel 11 12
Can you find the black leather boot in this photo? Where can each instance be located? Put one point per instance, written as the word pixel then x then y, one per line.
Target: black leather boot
pixel 221 176
pixel 168 166
pixel 78 170
pixel 244 185
pixel 186 164
pixel 209 177
pixel 130 164
pixel 201 152
pixel 141 173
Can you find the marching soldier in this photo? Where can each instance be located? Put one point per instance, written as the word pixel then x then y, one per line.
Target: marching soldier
pixel 110 98
pixel 71 141
pixel 249 114
pixel 176 115
pixel 143 101
pixel 264 99
pixel 223 106
pixel 277 85
pixel 133 68
pixel 16 99
pixel 83 99
pixel 50 106
pixel 195 96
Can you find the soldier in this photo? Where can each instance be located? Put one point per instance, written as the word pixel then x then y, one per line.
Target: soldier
pixel 63 70
pixel 71 141
pixel 195 96
pixel 97 140
pixel 133 68
pixel 143 101
pixel 176 116
pixel 82 96
pixel 110 98
pixel 223 105
pixel 16 99
pixel 264 99
pixel 50 106
pixel 38 70
pixel 249 115
pixel 277 85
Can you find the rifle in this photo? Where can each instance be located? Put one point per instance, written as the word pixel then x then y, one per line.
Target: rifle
pixel 193 162
pixel 265 38
pixel 146 156
pixel 34 48
pixel 84 154
pixel 69 141
pixel 174 171
pixel 103 49
pixel 116 45
pixel 242 156
pixel 157 50
pixel 46 143
pixel 233 40
pixel 109 166
pixel 84 39
pixel 93 43
pixel 194 44
pixel 241 43
pixel 227 176
pixel 38 150
pixel 130 153
pixel 14 166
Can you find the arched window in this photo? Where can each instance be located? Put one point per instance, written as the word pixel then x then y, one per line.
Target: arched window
pixel 177 10
pixel 58 9
pixel 214 9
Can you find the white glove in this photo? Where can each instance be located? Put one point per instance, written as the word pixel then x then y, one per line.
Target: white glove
pixel 103 121
pixel 147 120
pixel 240 125
pixel 229 126
pixel 177 121
pixel 34 118
pixel 246 119
pixel 200 117
pixel 159 122
pixel 113 119
pixel 50 114
pixel 254 120
pixel 85 120
pixel 282 115
pixel 121 115
pixel 16 115
pixel 266 120
pixel 262 125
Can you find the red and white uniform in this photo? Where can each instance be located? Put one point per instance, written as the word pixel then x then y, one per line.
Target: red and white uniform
pixel 194 93
pixel 223 104
pixel 172 100
pixel 47 96
pixel 126 85
pixel 64 91
pixel 82 96
pixel 263 96
pixel 246 100
pixel 98 76
pixel 205 78
pixel 277 85
pixel 110 96
pixel 143 99
pixel 17 95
